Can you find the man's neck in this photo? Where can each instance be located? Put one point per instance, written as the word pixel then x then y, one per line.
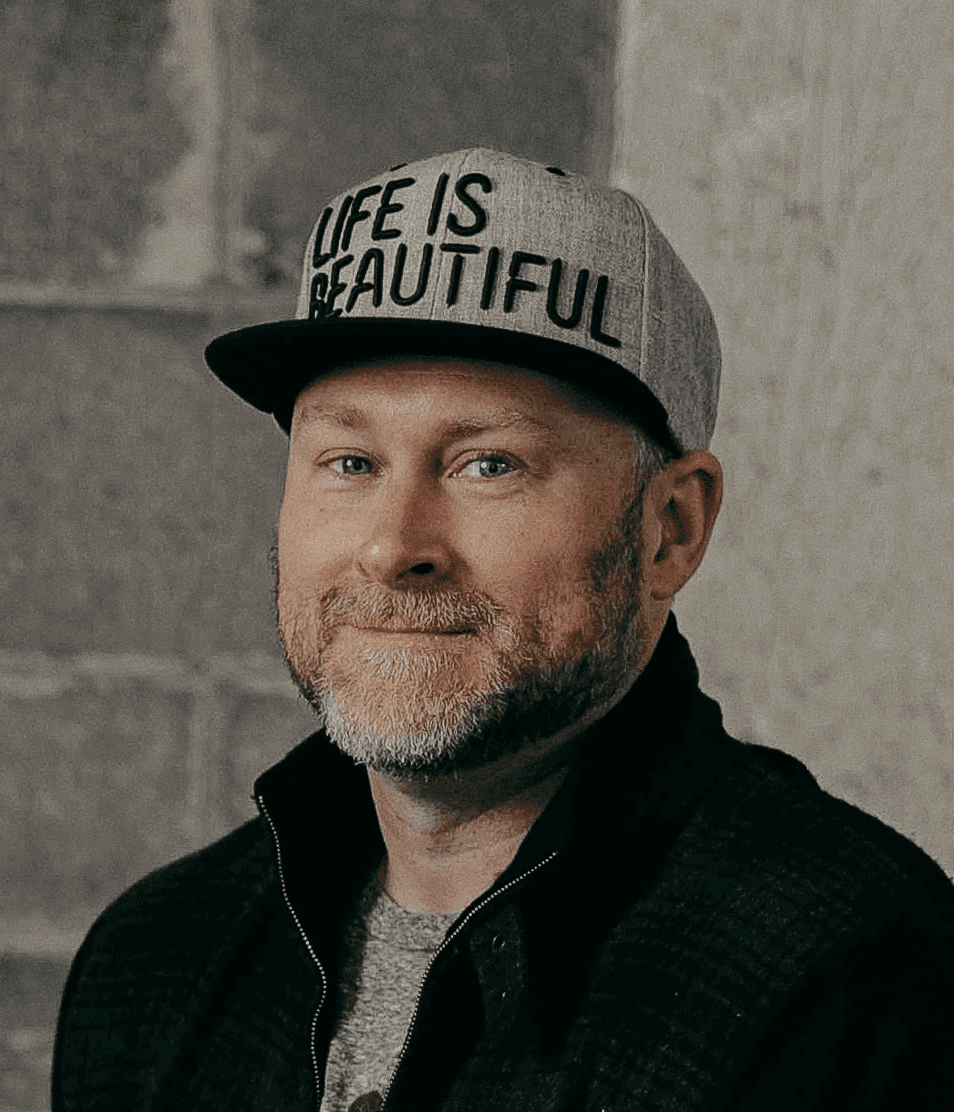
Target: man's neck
pixel 442 852
pixel 449 837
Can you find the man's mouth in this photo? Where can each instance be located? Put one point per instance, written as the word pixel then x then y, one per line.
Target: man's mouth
pixel 429 630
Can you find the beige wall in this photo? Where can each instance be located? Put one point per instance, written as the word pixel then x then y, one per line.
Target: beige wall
pixel 800 157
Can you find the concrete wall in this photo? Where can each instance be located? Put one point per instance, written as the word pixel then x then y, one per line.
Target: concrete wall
pixel 139 506
pixel 799 156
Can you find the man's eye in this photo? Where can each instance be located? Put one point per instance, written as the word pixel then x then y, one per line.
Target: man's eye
pixel 350 465
pixel 489 467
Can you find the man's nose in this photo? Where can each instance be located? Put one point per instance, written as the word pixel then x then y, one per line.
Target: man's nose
pixel 406 538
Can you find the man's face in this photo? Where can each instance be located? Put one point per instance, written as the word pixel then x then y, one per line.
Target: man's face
pixel 457 564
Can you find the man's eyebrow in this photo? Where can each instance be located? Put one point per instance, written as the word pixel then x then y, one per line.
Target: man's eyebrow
pixel 341 416
pixel 349 417
pixel 501 419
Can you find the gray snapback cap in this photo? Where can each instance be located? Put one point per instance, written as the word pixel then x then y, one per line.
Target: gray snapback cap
pixel 483 255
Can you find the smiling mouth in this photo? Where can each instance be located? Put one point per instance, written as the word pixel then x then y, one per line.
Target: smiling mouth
pixel 427 632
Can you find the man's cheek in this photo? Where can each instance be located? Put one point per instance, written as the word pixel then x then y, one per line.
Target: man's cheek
pixel 315 551
pixel 570 619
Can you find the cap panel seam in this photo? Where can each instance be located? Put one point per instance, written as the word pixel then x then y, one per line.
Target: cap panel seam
pixel 644 309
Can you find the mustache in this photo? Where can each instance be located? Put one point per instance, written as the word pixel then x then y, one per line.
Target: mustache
pixel 375 607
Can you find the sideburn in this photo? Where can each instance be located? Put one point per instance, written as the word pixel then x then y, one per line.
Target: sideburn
pixel 621 556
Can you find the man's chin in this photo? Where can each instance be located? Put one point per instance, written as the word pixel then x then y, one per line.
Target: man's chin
pixel 415 742
pixel 391 668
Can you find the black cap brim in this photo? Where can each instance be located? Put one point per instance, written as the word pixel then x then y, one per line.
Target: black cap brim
pixel 268 365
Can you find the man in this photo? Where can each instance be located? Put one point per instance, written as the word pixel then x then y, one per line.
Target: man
pixel 522 866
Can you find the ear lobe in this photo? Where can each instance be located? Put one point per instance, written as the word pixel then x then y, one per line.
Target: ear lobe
pixel 682 505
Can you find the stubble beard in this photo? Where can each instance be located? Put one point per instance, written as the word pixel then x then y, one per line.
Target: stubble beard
pixel 431 712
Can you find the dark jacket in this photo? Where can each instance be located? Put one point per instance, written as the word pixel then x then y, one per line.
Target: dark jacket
pixel 691 924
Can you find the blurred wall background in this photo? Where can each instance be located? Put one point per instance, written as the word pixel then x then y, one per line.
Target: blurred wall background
pixel 160 165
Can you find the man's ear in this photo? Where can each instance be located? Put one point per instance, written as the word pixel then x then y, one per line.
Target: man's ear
pixel 679 511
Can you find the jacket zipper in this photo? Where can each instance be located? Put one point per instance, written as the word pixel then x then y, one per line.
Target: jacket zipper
pixel 440 950
pixel 308 946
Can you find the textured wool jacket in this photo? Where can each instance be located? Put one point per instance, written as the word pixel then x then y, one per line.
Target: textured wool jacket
pixel 691 924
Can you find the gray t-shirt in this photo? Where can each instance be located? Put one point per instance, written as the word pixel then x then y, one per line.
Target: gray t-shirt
pixel 385 950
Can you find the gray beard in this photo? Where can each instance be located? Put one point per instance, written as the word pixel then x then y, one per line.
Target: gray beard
pixel 494 724
pixel 529 698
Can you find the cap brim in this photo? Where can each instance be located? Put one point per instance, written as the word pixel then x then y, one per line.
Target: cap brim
pixel 268 365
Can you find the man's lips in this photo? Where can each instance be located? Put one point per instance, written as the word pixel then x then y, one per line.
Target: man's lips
pixel 417 629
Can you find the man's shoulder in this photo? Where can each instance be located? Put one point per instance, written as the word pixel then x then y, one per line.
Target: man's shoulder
pixel 771 829
pixel 783 797
pixel 765 912
pixel 195 897
pixel 766 886
pixel 150 963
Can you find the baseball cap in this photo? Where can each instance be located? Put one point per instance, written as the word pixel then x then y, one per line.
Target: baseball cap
pixel 484 255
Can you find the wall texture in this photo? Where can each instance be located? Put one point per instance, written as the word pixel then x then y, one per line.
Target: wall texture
pixel 799 156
